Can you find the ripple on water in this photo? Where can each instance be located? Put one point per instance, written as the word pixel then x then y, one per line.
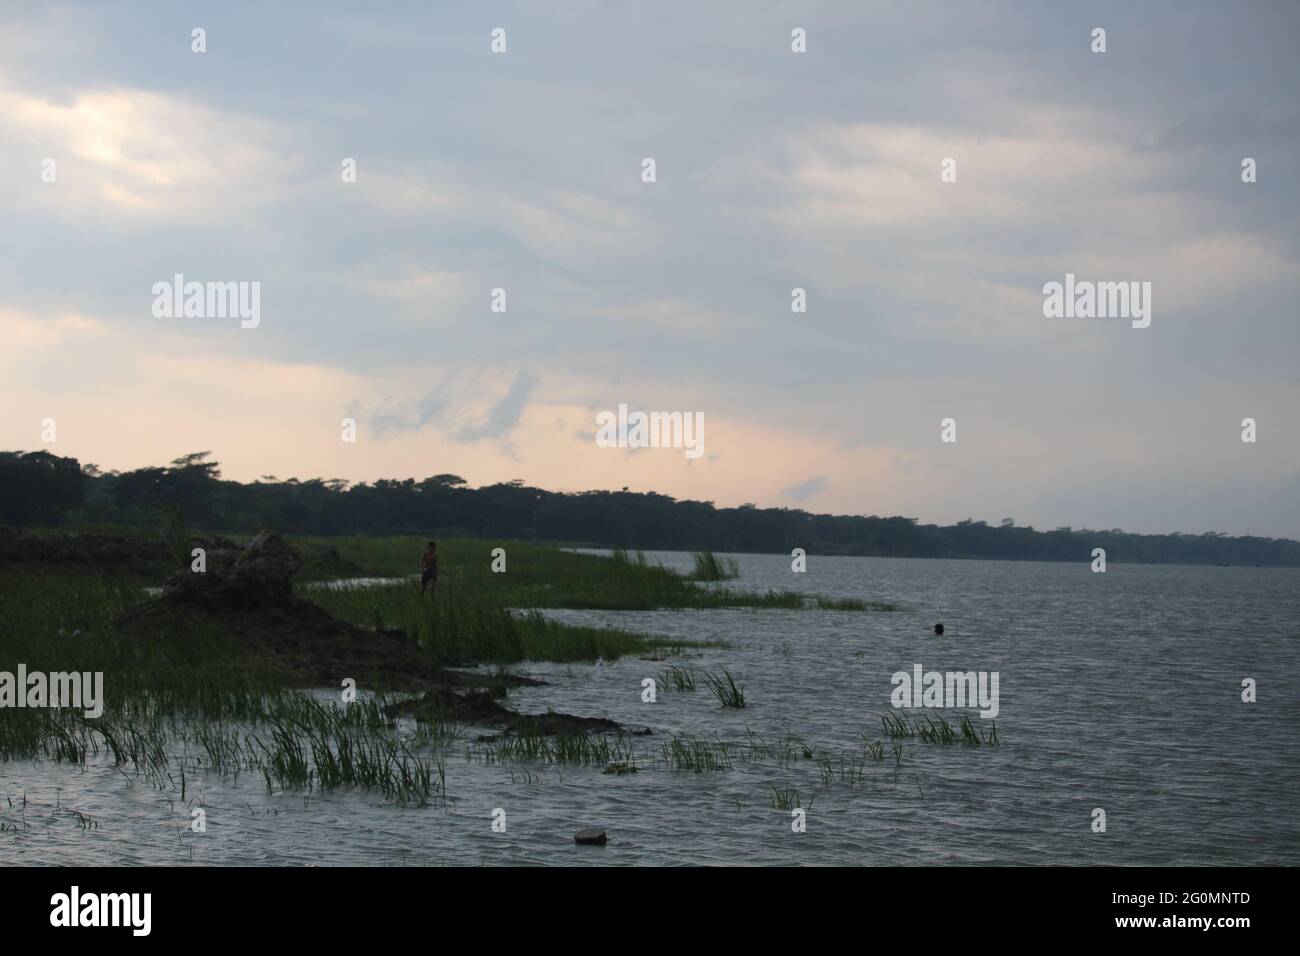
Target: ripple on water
pixel 1118 691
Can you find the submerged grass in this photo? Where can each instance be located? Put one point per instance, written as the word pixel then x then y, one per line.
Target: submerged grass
pixel 787 798
pixel 854 604
pixel 724 688
pixel 676 677
pixel 579 749
pixel 689 752
pixel 937 730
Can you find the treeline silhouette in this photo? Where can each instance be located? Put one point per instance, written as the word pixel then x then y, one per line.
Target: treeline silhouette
pixel 38 489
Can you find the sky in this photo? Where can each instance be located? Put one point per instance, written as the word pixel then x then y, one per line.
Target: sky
pixel 775 170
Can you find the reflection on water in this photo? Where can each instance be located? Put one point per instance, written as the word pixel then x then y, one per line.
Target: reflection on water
pixel 352 584
pixel 1118 690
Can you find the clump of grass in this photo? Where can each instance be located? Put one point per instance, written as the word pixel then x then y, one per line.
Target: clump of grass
pixel 782 749
pixel 689 752
pixel 842 768
pixel 896 726
pixel 460 624
pixel 971 736
pixel 787 798
pixel 676 677
pixel 710 567
pixel 936 730
pixel 854 604
pixel 545 639
pixel 575 749
pixel 724 688
pixel 312 744
pixel 636 559
pixel 791 600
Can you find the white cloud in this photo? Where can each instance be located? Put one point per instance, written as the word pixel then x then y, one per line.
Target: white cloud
pixel 122 151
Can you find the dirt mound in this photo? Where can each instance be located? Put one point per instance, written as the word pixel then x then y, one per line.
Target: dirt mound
pixel 245 594
pixel 233 579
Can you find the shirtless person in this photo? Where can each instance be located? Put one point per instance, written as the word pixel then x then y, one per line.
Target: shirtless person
pixel 429 568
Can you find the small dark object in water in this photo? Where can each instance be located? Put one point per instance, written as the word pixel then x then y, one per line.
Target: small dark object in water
pixel 938 630
pixel 590 837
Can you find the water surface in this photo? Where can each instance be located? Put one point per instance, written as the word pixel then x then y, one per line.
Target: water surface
pixel 1119 691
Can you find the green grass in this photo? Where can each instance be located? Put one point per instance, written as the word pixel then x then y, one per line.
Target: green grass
pixel 184 685
pixel 579 749
pixel 896 726
pixel 854 604
pixel 676 677
pixel 724 688
pixel 187 697
pixel 544 576
pixel 459 625
pixel 710 567
pixel 787 798
pixel 690 752
pixel 936 730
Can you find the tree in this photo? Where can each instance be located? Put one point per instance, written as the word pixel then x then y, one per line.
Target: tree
pixel 38 488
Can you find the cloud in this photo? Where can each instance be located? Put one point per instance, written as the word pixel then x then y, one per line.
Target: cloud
pixel 504 415
pixel 806 489
pixel 820 171
pixel 410 415
pixel 135 153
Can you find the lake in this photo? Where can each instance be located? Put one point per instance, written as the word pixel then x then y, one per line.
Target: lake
pixel 1119 691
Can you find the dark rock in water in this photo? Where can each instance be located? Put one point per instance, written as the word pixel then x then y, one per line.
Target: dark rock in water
pixel 449 703
pixel 591 837
pixel 551 722
pixel 478 705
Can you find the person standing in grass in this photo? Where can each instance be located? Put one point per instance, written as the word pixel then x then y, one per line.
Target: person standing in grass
pixel 429 568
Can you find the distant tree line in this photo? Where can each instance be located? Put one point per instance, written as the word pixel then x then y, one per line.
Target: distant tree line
pixel 39 489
